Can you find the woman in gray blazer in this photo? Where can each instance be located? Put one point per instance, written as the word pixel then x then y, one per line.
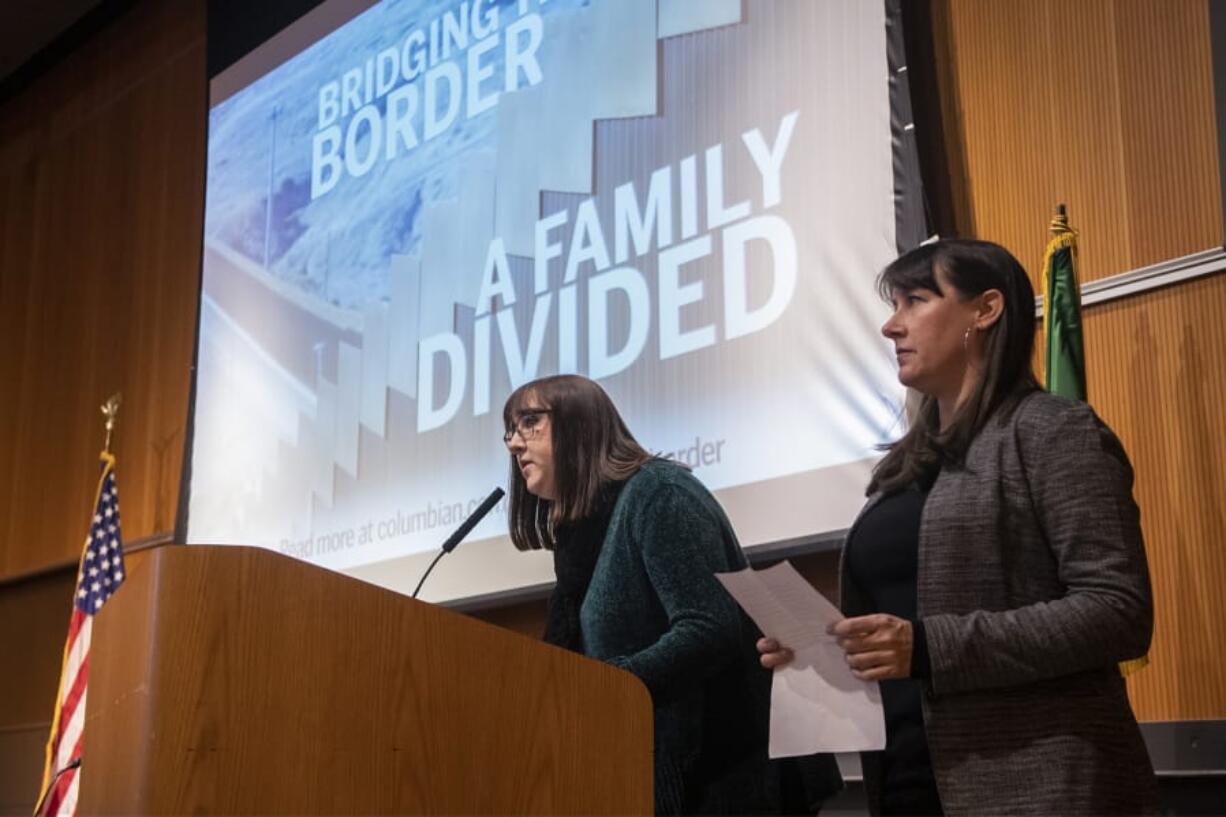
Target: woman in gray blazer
pixel 997 576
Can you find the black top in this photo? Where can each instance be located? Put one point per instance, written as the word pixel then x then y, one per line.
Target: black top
pixel 882 558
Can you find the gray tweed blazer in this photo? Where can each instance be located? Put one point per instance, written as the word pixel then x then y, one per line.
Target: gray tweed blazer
pixel 1032 585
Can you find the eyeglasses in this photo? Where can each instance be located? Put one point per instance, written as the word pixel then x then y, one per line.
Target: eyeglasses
pixel 527 425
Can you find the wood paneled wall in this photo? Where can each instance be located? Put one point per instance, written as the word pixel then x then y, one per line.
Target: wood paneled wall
pixel 1155 375
pixel 33 620
pixel 1106 105
pixel 101 208
pixel 101 204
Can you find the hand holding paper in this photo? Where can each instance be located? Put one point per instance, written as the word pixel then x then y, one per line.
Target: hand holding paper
pixel 817 705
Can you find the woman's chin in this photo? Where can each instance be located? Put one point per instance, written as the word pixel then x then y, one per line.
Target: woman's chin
pixel 911 379
pixel 541 491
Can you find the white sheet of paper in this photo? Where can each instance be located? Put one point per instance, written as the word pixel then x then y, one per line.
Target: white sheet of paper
pixel 817 705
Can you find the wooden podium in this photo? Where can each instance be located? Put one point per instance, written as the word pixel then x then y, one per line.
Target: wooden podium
pixel 229 680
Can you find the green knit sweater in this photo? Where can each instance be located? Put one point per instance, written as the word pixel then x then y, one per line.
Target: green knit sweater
pixel 655 609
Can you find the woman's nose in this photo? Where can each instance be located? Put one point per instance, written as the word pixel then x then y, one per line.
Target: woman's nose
pixel 891 328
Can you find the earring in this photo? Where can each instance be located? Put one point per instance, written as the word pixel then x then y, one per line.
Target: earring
pixel 966 338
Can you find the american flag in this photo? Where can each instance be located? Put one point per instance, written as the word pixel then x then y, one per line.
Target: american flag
pixel 99 575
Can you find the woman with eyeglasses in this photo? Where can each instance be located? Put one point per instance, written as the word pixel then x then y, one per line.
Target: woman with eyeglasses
pixel 996 576
pixel 636 542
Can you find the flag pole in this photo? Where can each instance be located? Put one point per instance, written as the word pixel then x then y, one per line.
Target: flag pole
pixel 52 775
pixel 1059 222
pixel 1063 352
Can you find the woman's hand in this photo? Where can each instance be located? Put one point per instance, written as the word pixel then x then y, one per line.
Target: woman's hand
pixel 772 653
pixel 877 646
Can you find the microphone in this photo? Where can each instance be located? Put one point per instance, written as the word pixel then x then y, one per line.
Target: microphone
pixel 473 518
pixel 75 763
pixel 465 528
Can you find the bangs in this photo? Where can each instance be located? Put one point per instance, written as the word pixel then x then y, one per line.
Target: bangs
pixel 524 399
pixel 909 272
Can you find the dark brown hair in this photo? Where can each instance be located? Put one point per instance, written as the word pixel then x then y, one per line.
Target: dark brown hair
pixel 970 268
pixel 593 451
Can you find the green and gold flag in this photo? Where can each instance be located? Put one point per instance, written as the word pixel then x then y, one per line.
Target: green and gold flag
pixel 1065 365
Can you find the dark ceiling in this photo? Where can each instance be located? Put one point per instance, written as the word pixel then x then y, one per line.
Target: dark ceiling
pixel 28 27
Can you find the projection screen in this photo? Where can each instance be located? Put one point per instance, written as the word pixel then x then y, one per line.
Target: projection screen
pixel 414 207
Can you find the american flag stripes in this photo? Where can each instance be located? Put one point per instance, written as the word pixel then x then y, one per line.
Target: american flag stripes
pixel 99 576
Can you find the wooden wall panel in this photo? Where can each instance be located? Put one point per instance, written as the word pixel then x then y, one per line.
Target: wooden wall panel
pixel 1004 154
pixel 1106 105
pixel 1167 126
pixel 33 620
pixel 101 184
pixel 1154 366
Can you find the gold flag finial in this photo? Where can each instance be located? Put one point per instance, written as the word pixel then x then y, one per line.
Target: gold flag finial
pixel 110 409
pixel 1059 222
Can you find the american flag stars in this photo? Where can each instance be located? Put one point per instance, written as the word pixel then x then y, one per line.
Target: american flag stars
pixel 103 553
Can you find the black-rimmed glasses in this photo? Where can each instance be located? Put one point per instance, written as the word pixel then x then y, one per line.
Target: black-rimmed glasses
pixel 527 425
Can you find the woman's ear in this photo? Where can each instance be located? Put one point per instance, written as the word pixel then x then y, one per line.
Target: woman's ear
pixel 991 306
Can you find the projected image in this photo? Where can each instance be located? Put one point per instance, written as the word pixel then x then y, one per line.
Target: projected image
pixel 439 201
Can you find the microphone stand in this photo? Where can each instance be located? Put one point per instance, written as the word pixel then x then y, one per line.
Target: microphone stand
pixel 467 525
pixel 437 556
